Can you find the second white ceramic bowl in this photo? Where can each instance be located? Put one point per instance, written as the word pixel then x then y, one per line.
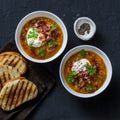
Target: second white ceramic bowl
pixel 99 52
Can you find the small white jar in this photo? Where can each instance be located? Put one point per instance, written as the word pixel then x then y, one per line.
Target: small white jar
pixel 79 22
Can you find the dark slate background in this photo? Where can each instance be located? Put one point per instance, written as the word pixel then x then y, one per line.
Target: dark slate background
pixel 60 105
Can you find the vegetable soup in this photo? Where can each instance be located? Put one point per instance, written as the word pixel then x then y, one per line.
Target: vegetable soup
pixel 41 38
pixel 85 71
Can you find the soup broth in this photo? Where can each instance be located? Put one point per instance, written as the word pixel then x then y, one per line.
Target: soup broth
pixel 41 38
pixel 85 72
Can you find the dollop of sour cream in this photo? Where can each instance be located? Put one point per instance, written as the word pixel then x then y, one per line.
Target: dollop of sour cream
pixel 34 41
pixel 80 65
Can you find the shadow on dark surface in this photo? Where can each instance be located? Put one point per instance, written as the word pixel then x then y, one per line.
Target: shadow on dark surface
pixel 97 40
pixel 103 106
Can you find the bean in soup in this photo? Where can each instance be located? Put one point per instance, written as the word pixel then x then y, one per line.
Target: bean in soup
pixel 85 72
pixel 41 38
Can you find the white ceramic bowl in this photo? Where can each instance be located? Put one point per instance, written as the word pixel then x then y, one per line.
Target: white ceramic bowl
pixel 79 22
pixel 99 52
pixel 38 14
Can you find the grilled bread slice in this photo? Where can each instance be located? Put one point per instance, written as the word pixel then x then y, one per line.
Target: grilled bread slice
pixel 13 59
pixel 7 73
pixel 16 92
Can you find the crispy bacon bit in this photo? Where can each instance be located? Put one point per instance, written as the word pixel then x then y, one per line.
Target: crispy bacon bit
pixel 81 83
pixel 83 74
pixel 38 24
pixel 84 78
pixel 48 38
pixel 45 34
pixel 54 34
pixel 23 36
pixel 41 23
pixel 46 28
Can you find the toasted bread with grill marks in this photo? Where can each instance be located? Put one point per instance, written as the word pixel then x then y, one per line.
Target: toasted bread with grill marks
pixel 7 73
pixel 13 59
pixel 16 92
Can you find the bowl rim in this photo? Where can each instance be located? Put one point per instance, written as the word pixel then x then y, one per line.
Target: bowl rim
pixel 75 50
pixel 80 36
pixel 26 19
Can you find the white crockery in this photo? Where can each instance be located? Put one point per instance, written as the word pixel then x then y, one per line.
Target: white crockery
pixel 100 53
pixel 39 14
pixel 79 22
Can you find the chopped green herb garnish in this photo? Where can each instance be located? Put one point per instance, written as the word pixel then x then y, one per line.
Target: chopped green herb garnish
pixel 33 34
pixel 51 43
pixel 42 52
pixel 72 76
pixel 91 70
pixel 83 53
pixel 89 87
pixel 54 26
pixel 31 44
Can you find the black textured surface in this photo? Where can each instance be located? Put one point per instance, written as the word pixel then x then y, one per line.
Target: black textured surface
pixel 60 104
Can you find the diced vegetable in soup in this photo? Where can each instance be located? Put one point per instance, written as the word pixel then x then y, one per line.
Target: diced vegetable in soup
pixel 41 38
pixel 85 71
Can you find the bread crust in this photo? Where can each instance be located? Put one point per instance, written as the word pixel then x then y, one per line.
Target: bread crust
pixel 16 92
pixel 14 59
pixel 7 73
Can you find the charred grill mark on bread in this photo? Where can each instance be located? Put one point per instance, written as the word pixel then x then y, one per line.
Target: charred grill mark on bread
pixel 15 97
pixel 20 99
pixel 8 105
pixel 16 92
pixel 11 58
pixel 15 60
pixel 7 73
pixel 6 96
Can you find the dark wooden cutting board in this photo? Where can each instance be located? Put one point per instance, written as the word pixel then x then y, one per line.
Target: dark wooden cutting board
pixel 37 74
